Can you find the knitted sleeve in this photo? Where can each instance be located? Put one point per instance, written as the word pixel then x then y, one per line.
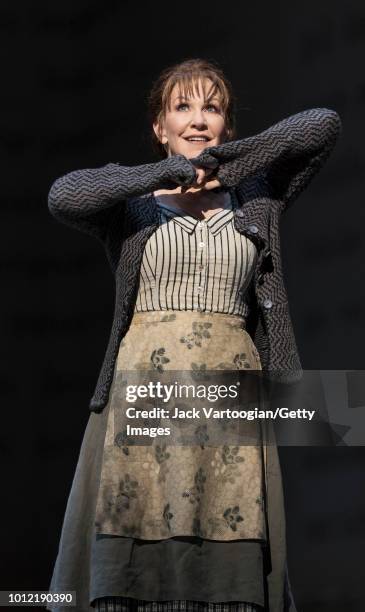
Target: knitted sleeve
pixel 87 199
pixel 289 153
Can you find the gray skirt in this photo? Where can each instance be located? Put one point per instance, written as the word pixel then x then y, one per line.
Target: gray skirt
pixel 173 573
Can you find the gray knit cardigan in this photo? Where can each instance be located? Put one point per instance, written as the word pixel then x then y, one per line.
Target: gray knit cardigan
pixel 266 172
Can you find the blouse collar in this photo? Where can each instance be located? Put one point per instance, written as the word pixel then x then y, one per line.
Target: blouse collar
pixel 189 222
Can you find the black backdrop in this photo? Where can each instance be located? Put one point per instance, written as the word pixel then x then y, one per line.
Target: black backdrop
pixel 74 81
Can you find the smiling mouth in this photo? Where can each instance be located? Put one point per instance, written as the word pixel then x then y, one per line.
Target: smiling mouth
pixel 197 138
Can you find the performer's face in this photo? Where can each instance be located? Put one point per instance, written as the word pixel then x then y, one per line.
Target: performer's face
pixel 191 124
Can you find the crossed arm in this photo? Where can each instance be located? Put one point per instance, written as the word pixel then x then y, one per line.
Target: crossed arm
pixel 87 199
pixel 290 153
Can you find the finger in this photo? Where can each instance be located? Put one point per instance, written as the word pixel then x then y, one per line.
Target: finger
pixel 200 176
pixel 211 185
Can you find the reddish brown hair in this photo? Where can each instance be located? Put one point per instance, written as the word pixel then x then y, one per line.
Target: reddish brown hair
pixel 187 75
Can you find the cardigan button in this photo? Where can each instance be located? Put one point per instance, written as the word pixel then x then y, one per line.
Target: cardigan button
pixel 240 213
pixel 267 304
pixel 252 229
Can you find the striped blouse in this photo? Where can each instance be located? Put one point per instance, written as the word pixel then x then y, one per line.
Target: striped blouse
pixel 193 264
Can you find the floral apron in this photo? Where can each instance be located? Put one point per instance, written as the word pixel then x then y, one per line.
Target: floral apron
pixel 157 490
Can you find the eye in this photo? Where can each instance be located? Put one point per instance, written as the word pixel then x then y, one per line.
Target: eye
pixel 182 106
pixel 212 108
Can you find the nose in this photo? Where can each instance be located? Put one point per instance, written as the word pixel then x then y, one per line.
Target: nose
pixel 198 119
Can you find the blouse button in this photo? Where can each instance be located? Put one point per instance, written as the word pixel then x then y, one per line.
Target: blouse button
pixel 201 244
pixel 267 304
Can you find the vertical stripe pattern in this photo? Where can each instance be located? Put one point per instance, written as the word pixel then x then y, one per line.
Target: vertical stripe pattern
pixel 192 264
pixel 126 604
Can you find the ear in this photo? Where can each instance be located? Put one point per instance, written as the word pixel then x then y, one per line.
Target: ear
pixel 159 130
pixel 228 133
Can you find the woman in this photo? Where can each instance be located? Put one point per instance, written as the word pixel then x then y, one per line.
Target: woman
pixel 193 242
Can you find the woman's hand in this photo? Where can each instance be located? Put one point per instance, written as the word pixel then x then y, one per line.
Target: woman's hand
pixel 203 181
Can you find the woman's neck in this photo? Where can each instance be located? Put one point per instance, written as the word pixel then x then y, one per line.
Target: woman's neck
pixel 199 202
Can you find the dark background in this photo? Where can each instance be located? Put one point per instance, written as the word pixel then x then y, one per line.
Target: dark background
pixel 74 80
